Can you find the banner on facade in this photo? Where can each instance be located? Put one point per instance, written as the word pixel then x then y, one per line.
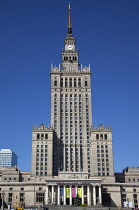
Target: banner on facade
pixel 67 193
pixel 61 192
pixel 73 192
pixel 80 192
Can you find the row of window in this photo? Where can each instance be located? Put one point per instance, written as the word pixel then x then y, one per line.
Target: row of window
pixel 39 198
pixel 102 146
pixel 103 164
pixel 134 180
pixel 103 160
pixel 42 136
pixel 11 189
pixel 101 136
pixel 41 159
pixel 103 169
pixel 102 151
pixel 70 58
pixel 124 190
pixel 10 198
pixel 41 173
pixel 42 146
pixel 72 82
pixel 71 95
pixel 103 174
pixel 41 168
pixel 125 199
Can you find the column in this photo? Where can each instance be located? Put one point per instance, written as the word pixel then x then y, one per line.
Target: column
pixel 82 194
pixel 88 195
pixel 64 194
pixel 76 190
pixel 58 195
pixel 100 197
pixel 94 196
pixel 70 187
pixel 46 195
pixel 52 194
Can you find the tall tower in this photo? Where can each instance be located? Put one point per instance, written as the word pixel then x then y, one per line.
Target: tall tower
pixel 71 109
pixel 72 145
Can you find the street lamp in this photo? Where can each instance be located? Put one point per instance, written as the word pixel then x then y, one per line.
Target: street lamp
pixel 2 205
pixel 127 203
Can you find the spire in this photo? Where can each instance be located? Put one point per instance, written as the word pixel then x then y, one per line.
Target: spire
pixel 69 22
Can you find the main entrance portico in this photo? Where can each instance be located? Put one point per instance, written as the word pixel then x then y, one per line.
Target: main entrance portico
pixel 63 192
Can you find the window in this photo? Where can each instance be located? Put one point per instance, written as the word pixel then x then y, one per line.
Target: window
pixel 55 83
pixel 21 197
pixel 97 136
pixel 66 82
pixel 105 136
pixel 124 197
pixel 70 82
pixel 79 82
pixel 10 197
pixel 85 83
pixel 74 82
pixel 39 197
pixel 46 136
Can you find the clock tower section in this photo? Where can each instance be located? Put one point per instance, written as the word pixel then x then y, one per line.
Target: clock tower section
pixel 70 55
pixel 71 111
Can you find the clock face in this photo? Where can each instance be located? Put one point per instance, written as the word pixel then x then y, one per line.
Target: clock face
pixel 70 47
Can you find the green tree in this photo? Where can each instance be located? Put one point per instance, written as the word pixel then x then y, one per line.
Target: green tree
pixel 77 201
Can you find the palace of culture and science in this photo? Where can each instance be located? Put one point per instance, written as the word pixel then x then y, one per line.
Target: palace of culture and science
pixel 72 158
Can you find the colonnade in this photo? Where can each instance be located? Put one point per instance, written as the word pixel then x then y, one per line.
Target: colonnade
pixel 90 194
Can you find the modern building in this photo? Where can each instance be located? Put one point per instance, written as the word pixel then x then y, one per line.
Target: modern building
pixel 8 158
pixel 72 158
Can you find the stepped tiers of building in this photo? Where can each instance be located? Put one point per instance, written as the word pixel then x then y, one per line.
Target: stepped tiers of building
pixel 72 159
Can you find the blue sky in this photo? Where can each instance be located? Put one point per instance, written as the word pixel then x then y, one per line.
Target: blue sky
pixel 32 38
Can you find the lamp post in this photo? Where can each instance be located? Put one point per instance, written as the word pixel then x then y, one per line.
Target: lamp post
pixel 127 203
pixel 2 205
